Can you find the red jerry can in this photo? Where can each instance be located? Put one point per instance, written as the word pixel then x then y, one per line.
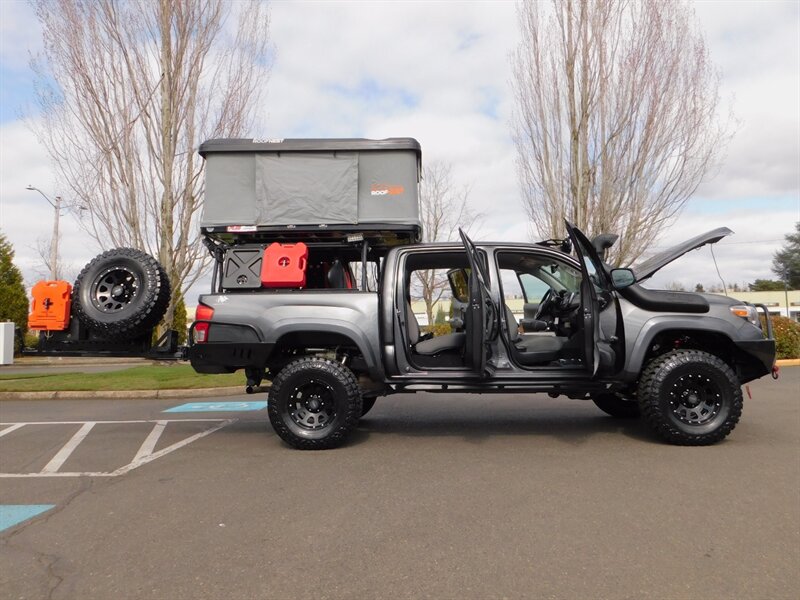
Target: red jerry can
pixel 51 306
pixel 284 265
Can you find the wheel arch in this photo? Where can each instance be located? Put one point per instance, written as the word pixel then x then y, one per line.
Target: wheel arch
pixel 329 335
pixel 662 334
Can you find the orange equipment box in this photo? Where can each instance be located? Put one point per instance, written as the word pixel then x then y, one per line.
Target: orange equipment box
pixel 284 265
pixel 51 306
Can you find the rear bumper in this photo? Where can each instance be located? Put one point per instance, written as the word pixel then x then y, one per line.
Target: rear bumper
pixel 227 357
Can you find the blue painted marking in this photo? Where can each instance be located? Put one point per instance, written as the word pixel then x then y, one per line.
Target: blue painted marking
pixel 13 514
pixel 217 407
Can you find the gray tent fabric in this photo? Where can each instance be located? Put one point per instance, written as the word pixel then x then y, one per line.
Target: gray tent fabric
pixel 230 179
pixel 387 187
pixel 306 188
pixel 348 182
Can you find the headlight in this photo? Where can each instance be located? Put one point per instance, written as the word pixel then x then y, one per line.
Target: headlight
pixel 747 312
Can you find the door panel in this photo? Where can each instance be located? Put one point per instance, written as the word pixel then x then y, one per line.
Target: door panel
pixel 480 311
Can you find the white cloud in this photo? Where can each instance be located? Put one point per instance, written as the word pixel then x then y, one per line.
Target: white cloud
pixel 25 216
pixel 20 34
pixel 757 47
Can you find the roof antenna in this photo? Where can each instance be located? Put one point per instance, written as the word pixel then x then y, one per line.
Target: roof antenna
pixel 716 266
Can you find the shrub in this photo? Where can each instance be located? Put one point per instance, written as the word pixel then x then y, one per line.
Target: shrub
pixel 787 336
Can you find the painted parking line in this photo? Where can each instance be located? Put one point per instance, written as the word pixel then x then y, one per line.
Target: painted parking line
pixel 144 454
pixel 217 407
pixel 13 514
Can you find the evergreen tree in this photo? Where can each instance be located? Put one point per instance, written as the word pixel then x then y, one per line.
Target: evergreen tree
pixel 766 285
pixel 13 299
pixel 786 263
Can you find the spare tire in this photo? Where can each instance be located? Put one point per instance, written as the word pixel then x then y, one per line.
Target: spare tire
pixel 122 293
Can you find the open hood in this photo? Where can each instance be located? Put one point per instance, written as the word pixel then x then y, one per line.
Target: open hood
pixel 646 268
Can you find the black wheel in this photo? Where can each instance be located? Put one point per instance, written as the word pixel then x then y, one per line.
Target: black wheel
pixel 690 397
pixel 314 404
pixel 366 405
pixel 121 294
pixel 616 406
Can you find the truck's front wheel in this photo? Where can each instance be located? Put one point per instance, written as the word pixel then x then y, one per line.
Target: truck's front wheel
pixel 690 397
pixel 314 404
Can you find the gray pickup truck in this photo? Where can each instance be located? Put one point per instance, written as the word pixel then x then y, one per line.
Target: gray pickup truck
pixel 316 243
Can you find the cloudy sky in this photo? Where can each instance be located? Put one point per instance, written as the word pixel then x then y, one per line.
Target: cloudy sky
pixel 439 72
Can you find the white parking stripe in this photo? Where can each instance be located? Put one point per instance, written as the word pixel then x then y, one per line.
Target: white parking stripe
pixel 62 455
pixel 146 459
pixel 143 456
pixel 149 444
pixel 8 430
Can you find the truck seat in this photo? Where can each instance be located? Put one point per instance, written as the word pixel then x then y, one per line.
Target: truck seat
pixel 434 345
pixel 533 348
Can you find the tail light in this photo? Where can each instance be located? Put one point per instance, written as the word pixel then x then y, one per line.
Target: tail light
pixel 202 316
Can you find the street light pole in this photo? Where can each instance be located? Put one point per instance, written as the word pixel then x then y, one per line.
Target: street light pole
pixel 53 242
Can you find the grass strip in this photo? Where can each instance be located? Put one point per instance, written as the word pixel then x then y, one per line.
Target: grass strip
pixel 151 377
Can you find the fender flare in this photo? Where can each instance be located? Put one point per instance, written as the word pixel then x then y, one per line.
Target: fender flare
pixel 634 361
pixel 345 329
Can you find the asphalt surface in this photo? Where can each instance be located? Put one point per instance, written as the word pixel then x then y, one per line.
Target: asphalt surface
pixel 438 496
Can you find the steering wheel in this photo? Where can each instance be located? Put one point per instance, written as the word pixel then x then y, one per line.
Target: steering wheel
pixel 544 305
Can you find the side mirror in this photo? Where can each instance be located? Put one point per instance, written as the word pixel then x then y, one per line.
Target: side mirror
pixel 622 278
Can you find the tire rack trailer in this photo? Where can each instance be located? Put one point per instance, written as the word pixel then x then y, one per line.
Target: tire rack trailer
pixel 78 342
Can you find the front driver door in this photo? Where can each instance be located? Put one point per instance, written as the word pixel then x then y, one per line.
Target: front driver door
pixel 480 312
pixel 593 279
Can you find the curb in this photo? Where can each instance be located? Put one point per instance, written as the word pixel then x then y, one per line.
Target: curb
pixel 788 362
pixel 125 394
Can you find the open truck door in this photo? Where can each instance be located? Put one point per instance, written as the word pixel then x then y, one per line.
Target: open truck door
pixel 593 280
pixel 481 314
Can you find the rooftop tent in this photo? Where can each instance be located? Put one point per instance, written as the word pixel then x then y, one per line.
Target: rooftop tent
pixel 291 188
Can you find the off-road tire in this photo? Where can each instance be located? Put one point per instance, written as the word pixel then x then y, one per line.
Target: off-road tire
pixel 613 405
pixel 344 396
pixel 673 381
pixel 366 405
pixel 142 311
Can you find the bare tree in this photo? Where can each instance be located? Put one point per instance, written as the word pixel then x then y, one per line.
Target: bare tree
pixel 128 89
pixel 616 116
pixel 44 267
pixel 444 207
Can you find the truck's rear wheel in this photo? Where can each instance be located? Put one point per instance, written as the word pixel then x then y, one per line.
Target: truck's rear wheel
pixel 314 404
pixel 690 397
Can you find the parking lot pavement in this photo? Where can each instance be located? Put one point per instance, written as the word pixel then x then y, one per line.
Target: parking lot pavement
pixel 438 496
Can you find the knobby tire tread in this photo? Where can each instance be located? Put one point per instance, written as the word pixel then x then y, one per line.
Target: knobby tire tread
pixel 157 296
pixel 338 436
pixel 651 386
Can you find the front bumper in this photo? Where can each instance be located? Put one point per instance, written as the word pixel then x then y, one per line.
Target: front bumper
pixel 756 358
